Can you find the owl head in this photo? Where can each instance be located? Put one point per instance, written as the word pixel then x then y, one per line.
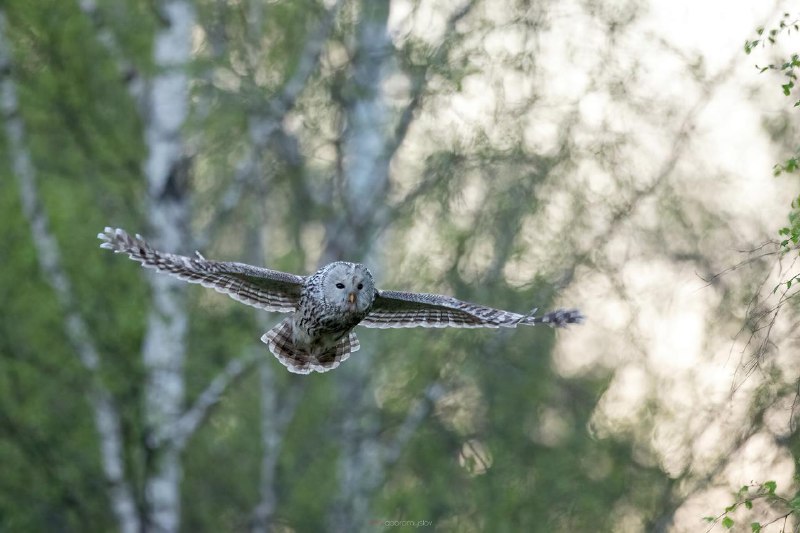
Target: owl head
pixel 348 287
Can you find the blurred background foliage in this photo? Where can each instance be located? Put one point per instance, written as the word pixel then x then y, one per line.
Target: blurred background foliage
pixel 508 162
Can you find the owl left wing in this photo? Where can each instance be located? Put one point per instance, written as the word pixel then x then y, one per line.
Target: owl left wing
pixel 259 287
pixel 396 309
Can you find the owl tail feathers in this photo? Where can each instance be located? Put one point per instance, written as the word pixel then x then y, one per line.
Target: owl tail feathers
pixel 302 361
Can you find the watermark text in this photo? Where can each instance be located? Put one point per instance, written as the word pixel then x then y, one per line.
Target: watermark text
pixel 402 523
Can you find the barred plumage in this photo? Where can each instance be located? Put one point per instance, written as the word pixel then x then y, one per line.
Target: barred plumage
pixel 260 287
pixel 280 342
pixel 325 306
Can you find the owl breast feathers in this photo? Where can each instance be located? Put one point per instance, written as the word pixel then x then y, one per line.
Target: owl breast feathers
pixel 326 306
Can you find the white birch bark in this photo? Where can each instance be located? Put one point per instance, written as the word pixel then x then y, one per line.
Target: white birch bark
pixel 277 409
pixel 365 166
pixel 368 144
pixel 166 172
pixel 278 406
pixel 271 439
pixel 106 416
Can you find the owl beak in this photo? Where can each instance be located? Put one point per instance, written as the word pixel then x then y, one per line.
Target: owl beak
pixel 351 297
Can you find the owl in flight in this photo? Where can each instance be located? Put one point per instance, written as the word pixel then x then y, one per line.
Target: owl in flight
pixel 325 306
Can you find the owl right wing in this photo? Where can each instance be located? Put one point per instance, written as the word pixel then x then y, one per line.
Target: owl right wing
pixel 396 309
pixel 260 287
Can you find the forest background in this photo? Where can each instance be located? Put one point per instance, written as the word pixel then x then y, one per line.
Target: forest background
pixel 616 156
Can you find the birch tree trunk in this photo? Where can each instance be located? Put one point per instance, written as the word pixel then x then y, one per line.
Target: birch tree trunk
pixel 366 180
pixel 106 415
pixel 278 406
pixel 164 349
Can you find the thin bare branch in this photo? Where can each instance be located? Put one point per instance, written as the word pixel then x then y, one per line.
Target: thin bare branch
pixel 419 79
pixel 194 417
pixel 277 410
pixel 284 100
pixel 264 123
pixel 740 264
pixel 415 416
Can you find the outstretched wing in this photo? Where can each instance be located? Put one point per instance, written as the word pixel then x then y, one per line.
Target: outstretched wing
pixel 395 309
pixel 259 287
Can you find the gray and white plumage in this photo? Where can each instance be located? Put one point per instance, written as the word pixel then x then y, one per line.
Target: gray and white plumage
pixel 325 306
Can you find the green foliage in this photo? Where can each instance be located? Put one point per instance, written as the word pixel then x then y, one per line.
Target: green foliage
pixel 52 477
pixel 789 68
pixel 780 507
pixel 792 234
pixel 786 67
pixel 87 147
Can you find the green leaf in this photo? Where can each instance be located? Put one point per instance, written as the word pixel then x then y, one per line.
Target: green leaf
pixel 748 504
pixel 755 527
pixel 770 486
pixel 749 45
pixel 784 242
pixel 710 519
pixel 727 522
pixel 795 503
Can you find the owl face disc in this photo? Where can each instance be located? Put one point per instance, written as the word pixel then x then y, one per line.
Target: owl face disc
pixel 348 287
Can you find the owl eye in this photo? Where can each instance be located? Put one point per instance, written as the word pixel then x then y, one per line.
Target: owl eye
pixel 340 285
pixel 360 286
